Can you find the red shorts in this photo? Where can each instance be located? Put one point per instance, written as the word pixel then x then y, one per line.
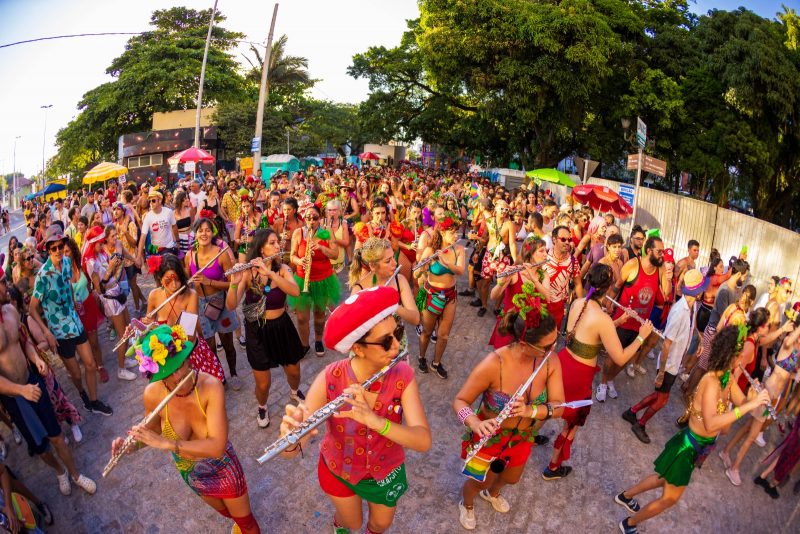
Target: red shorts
pixel 557 309
pixel 329 483
pixel 516 455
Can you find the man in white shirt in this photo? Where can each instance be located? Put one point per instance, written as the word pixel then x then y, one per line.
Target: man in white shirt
pixel 159 223
pixel 197 197
pixel 60 212
pixel 678 334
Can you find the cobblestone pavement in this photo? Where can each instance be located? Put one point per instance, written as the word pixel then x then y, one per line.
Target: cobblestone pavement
pixel 145 493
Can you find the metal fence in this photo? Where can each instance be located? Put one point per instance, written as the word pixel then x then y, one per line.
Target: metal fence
pixel 772 250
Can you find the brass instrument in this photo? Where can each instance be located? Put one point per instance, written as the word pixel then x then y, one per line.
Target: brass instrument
pixel 307 259
pixel 321 415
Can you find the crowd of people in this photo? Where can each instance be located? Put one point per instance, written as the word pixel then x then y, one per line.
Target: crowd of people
pixel 239 259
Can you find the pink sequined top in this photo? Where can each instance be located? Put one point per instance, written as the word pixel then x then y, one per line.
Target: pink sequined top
pixel 351 450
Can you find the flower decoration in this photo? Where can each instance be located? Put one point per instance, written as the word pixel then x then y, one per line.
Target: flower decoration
pixel 323 234
pixel 207 214
pixel 361 231
pixel 154 263
pixel 448 222
pixel 531 305
pixel 408 236
pixel 245 195
pixel 396 229
pixel 743 332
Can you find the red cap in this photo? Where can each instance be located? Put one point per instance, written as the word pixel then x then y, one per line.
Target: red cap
pixel 357 315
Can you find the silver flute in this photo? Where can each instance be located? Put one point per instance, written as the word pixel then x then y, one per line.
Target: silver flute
pixel 432 257
pixel 505 413
pixel 635 316
pixel 322 415
pixel 758 387
pixel 519 268
pixel 239 267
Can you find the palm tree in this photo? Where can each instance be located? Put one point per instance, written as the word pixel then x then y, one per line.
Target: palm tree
pixel 284 70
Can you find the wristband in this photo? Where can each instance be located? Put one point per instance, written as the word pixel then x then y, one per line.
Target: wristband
pixel 535 408
pixel 233 286
pixel 549 410
pixel 641 339
pixel 463 413
pixel 385 430
pixel 738 412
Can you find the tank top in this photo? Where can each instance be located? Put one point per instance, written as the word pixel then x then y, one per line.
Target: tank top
pixel 321 267
pixel 183 223
pixel 639 294
pixel 213 272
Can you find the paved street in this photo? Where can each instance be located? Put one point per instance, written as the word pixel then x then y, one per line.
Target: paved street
pixel 145 493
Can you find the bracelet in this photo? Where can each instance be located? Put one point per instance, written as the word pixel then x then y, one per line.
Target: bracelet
pixel 386 426
pixel 535 410
pixel 549 410
pixel 463 413
pixel 641 339
pixel 738 412
pixel 233 286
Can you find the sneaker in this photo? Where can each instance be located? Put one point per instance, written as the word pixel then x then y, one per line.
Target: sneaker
pixel 86 484
pixel 476 303
pixel 466 292
pixel 98 406
pixel 418 329
pixel 684 377
pixel 726 458
pixel 422 363
pixel 297 396
pixel 77 435
pixel 466 516
pixel 103 374
pixel 630 371
pixel 758 481
pixel 319 348
pixel 434 337
pixel 541 440
pixel 499 503
pixel 630 417
pixel 63 483
pixel 640 432
pixel 236 383
pixel 760 441
pixel 481 312
pixel 131 363
pixel 772 491
pixel 262 418
pixel 438 368
pixel 612 391
pixel 86 402
pixel 625 528
pixel 555 474
pixel 631 505
pixel 600 394
pixel 17 436
pixel 124 374
pixel 639 368
pixel 47 515
pixel 242 341
pixel 733 476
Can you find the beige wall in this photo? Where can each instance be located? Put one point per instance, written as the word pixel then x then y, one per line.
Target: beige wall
pixel 396 152
pixel 172 120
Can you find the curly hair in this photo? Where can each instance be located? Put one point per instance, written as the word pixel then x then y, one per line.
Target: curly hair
pixel 723 348
pixel 372 251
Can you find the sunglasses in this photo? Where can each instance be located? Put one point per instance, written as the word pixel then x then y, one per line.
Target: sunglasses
pixel 388 340
pixel 312 218
pixel 153 200
pixel 563 239
pixel 56 248
pixel 27 258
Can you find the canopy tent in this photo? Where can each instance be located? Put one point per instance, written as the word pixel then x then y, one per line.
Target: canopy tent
pixel 278 162
pixel 369 155
pixel 602 199
pixel 311 160
pixel 104 171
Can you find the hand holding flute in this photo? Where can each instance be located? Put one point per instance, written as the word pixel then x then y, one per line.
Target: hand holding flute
pixel 758 387
pixel 635 316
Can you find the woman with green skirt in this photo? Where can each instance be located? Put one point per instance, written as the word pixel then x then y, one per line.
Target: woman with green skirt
pixel 319 287
pixel 708 416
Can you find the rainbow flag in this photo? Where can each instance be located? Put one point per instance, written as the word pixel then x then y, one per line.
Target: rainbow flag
pixel 477 467
pixel 473 188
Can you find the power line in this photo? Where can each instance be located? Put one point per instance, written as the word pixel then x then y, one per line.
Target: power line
pixel 67 37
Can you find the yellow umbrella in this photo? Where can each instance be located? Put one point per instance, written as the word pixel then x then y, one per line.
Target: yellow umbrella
pixel 104 171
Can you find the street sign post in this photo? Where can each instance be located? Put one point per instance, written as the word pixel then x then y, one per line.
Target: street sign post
pixel 655 166
pixel 255 144
pixel 641 132
pixel 633 161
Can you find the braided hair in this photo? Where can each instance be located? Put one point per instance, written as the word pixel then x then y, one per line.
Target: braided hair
pixel 600 279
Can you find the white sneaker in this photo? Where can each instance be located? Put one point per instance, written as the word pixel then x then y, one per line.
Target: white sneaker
pixel 499 503
pixel 86 484
pixel 466 517
pixel 63 483
pixel 124 374
pixel 600 394
pixel 760 441
pixel 612 391
pixel 17 435
pixel 640 369
pixel 77 435
pixel 130 363
pixel 630 371
pixel 262 418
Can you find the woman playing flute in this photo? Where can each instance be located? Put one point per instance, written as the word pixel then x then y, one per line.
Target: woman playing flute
pixel 272 338
pixel 362 453
pixel 193 426
pixel 437 296
pixel 533 333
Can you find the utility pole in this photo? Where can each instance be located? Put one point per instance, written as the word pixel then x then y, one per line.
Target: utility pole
pixel 263 93
pixel 44 137
pixel 14 174
pixel 203 77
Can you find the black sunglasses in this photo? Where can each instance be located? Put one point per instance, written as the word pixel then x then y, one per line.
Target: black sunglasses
pixel 56 248
pixel 387 341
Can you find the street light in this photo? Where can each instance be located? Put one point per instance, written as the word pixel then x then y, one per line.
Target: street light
pixel 44 136
pixel 14 172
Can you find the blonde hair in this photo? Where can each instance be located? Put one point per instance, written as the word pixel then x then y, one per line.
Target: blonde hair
pixel 372 251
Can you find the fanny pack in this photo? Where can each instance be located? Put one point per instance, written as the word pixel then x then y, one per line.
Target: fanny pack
pixel 214 306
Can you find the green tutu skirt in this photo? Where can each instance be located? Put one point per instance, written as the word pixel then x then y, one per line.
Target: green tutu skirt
pixel 421 298
pixel 321 294
pixel 677 461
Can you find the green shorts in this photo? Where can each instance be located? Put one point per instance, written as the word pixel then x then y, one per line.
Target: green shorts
pixel 386 492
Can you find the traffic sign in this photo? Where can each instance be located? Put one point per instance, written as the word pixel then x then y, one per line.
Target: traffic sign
pixel 641 132
pixel 188 166
pixel 633 162
pixel 255 144
pixel 627 193
pixel 655 166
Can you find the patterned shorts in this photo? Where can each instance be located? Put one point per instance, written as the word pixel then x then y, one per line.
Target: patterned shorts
pixel 491 265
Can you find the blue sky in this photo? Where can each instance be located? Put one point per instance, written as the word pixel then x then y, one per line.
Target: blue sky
pixel 59 72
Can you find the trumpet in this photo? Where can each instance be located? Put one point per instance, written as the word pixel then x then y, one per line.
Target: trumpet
pixel 635 316
pixel 432 257
pixel 322 415
pixel 239 267
pixel 505 413
pixel 519 268
pixel 757 387
pixel 149 417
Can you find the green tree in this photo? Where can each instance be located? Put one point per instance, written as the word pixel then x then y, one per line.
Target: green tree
pixel 158 71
